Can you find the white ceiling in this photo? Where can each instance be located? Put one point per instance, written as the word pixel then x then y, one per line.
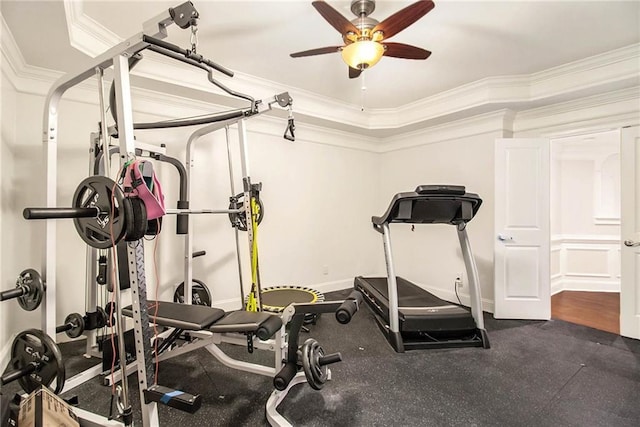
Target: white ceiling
pixel 470 40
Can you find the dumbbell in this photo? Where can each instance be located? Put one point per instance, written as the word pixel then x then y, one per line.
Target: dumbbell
pixel 29 290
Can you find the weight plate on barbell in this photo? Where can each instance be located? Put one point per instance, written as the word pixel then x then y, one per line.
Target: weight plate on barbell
pixel 77 325
pixel 137 223
pixel 200 294
pixel 102 317
pixel 110 225
pixel 32 346
pixel 239 220
pixel 32 299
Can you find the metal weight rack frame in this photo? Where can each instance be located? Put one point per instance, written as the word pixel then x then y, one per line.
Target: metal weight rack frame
pixel 119 58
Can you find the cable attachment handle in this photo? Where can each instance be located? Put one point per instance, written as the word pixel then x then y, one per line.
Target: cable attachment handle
pixel 289 132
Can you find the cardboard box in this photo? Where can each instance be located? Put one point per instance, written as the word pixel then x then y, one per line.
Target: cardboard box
pixel 44 409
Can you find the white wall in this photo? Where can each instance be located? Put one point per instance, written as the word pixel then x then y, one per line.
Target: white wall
pixel 430 256
pixel 317 201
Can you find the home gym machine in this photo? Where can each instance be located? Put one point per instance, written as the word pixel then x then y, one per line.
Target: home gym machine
pixel 104 215
pixel 409 316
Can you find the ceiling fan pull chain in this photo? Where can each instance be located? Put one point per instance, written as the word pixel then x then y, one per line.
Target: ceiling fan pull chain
pixel 194 38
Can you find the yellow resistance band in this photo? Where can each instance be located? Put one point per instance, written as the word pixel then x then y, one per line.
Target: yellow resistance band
pixel 252 300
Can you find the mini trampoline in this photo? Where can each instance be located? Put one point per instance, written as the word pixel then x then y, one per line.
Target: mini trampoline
pixel 276 298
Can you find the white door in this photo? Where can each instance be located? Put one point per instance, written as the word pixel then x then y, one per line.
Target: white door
pixel 630 233
pixel 522 221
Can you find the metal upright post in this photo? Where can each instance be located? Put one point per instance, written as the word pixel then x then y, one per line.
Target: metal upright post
pixel 91 294
pixel 394 324
pixel 135 258
pixel 472 272
pixel 50 140
pixel 235 229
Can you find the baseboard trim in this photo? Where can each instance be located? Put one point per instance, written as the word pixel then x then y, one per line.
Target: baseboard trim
pixel 338 285
pixel 585 286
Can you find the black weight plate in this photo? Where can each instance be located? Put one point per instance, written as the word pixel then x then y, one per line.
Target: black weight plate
pixel 199 291
pixel 316 375
pixel 77 322
pixel 32 279
pixel 137 224
pixel 101 192
pixel 239 219
pixel 35 346
pixel 102 317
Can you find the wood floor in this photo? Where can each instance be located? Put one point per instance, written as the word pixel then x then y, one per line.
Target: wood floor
pixel 599 310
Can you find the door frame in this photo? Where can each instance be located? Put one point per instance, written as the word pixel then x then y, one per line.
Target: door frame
pixel 557 132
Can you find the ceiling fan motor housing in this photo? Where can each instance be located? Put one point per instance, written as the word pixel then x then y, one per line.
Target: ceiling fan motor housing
pixel 363 7
pixel 365 39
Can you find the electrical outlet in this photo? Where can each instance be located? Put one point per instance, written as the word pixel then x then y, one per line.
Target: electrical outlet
pixel 325 270
pixel 458 281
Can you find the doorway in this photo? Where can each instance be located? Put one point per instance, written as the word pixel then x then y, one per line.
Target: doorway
pixel 585 230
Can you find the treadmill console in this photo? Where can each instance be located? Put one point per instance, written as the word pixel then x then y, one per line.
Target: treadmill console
pixel 441 189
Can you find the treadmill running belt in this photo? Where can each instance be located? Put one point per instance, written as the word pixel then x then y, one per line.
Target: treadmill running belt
pixel 418 310
pixel 409 295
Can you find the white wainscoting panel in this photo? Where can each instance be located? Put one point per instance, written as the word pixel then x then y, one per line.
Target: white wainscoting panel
pixel 585 263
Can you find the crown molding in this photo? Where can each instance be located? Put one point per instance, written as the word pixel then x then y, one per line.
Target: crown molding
pixel 499 122
pixel 598 112
pixel 621 107
pixel 25 78
pixel 85 33
pixel 620 66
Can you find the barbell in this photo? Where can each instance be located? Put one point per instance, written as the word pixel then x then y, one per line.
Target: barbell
pixel 75 324
pixel 101 213
pixel 35 360
pixel 29 290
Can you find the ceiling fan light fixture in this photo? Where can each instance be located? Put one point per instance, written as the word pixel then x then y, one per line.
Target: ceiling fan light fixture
pixel 362 54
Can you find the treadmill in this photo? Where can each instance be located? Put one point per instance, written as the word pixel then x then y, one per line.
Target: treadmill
pixel 410 317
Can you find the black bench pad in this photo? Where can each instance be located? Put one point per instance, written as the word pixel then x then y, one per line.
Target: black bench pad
pixel 264 325
pixel 181 316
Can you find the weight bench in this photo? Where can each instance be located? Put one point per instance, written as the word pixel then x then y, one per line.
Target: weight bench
pixel 207 327
pixel 199 317
pixel 186 317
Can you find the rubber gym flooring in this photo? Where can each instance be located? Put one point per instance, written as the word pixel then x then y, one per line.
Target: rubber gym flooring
pixel 535 374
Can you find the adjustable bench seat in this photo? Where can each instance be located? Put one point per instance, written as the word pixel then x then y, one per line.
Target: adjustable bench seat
pixel 199 317
pixel 181 316
pixel 264 325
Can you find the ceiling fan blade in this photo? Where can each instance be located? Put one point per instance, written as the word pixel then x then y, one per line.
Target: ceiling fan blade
pixel 318 51
pixel 405 51
pixel 354 72
pixel 403 18
pixel 333 17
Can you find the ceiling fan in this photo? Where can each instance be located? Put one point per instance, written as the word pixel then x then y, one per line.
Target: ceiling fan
pixel 365 38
